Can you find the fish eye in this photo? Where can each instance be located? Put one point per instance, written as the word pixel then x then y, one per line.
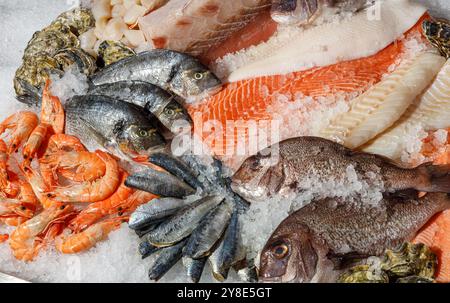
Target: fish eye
pixel 280 251
pixel 143 133
pixel 198 76
pixel 170 111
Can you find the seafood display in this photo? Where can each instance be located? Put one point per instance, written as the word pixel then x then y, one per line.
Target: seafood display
pixel 252 140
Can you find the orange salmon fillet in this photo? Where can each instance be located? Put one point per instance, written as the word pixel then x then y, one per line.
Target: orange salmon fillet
pixel 257 99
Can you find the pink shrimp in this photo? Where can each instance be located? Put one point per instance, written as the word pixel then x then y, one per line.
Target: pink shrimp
pixel 21 125
pixel 35 142
pixel 95 191
pixel 30 237
pixel 14 213
pixel 6 186
pixel 52 111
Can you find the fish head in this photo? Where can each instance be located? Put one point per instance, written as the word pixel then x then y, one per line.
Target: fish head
pixel 259 177
pixel 289 255
pixel 139 140
pixel 195 83
pixel 173 115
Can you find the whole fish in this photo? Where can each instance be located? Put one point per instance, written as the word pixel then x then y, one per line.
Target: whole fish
pixel 115 125
pixel 228 251
pixel 183 223
pixel 294 12
pixel 280 171
pixel 154 211
pixel 159 183
pixel 146 95
pixel 179 73
pixel 323 235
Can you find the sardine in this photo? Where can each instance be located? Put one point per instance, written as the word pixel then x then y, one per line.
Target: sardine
pixel 194 268
pixel 159 183
pixel 145 230
pixel 179 73
pixel 321 236
pixel 154 211
pixel 280 171
pixel 226 254
pixel 155 100
pixel 164 259
pixel 208 232
pixel 183 223
pixel 177 168
pixel 118 126
pixel 146 249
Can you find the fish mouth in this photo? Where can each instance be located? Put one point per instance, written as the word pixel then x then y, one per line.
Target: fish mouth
pixel 249 194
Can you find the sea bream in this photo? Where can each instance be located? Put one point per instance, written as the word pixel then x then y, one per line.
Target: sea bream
pixel 176 72
pixel 280 170
pixel 114 125
pixel 312 244
pixel 194 26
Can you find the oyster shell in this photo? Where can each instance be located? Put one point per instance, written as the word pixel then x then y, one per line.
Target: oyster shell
pixel 363 274
pixel 112 51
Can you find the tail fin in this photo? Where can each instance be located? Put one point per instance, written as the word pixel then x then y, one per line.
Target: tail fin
pixel 437 176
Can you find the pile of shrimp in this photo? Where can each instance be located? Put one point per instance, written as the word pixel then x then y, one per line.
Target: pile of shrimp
pixel 55 174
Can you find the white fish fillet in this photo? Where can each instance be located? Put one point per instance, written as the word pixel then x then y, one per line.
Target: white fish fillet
pixel 382 105
pixel 194 26
pixel 360 36
pixel 431 111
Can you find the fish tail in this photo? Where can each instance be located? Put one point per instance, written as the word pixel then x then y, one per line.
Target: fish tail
pixel 436 178
pixel 32 96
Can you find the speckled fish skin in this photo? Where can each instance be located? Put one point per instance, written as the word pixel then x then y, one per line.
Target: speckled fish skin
pixel 303 245
pixel 208 232
pixel 164 260
pixel 148 96
pixel 146 249
pixel 281 172
pixel 194 268
pixel 112 123
pixel 183 223
pixel 154 211
pixel 177 168
pixel 227 252
pixel 159 183
pixel 173 71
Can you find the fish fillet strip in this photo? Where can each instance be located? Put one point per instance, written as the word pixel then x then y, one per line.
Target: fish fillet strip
pixel 431 111
pixel 381 106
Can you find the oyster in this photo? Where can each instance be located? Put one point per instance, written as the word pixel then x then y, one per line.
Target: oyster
pixel 438 33
pixel 112 51
pixel 415 279
pixel 409 259
pixel 363 274
pixel 85 63
pixel 79 20
pixel 50 41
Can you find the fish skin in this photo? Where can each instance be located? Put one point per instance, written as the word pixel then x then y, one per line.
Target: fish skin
pixel 183 223
pixel 157 101
pixel 145 230
pixel 164 260
pixel 194 268
pixel 195 26
pixel 177 168
pixel 146 249
pixel 208 232
pixel 179 73
pixel 262 176
pixel 154 211
pixel 113 123
pixel 304 245
pixel 159 183
pixel 228 251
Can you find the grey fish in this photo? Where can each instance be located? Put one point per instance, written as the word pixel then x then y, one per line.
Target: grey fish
pixel 265 175
pixel 155 100
pixel 177 168
pixel 173 71
pixel 226 254
pixel 154 211
pixel 145 230
pixel 164 259
pixel 181 225
pixel 208 232
pixel 146 249
pixel 159 183
pixel 117 126
pixel 194 268
pixel 321 236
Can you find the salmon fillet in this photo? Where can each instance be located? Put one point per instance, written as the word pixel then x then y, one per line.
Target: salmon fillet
pixel 258 99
